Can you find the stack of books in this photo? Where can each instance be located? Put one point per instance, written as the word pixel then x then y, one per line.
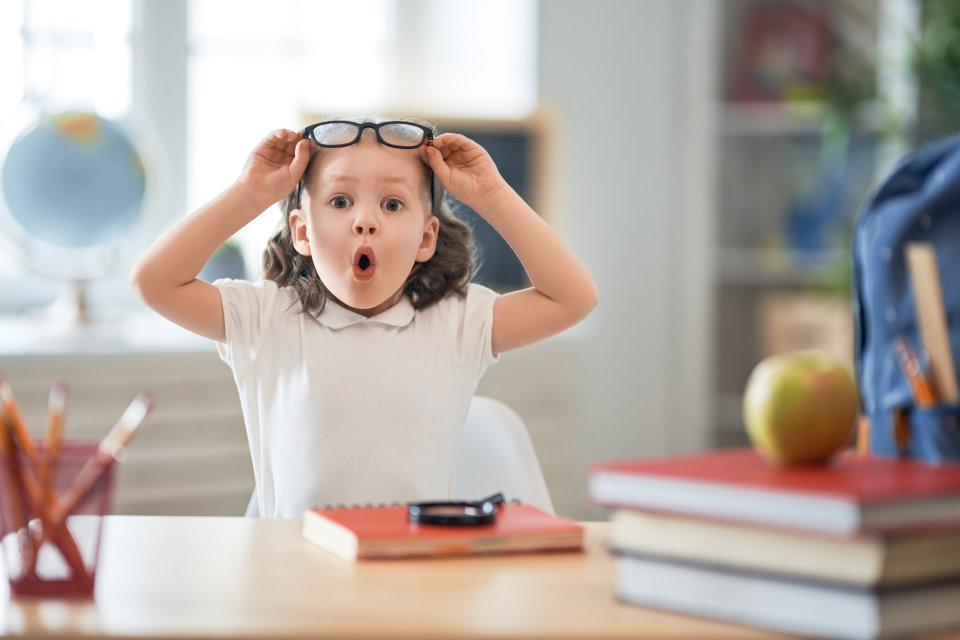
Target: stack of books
pixel 861 548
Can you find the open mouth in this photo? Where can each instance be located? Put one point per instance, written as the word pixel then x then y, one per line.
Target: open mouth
pixel 364 263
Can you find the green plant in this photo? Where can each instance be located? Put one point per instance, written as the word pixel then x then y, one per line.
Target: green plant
pixel 935 62
pixel 936 57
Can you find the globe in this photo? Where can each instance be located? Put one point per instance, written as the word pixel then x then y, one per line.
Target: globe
pixel 73 180
pixel 72 186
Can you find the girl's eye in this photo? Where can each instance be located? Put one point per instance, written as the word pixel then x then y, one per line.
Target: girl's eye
pixel 392 205
pixel 339 202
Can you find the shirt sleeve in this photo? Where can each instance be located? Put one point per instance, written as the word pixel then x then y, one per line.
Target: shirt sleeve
pixel 248 308
pixel 476 338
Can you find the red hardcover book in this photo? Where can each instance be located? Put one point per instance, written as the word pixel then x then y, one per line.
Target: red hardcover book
pixel 849 496
pixel 384 532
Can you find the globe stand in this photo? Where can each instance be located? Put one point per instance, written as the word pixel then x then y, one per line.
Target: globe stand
pixel 70 307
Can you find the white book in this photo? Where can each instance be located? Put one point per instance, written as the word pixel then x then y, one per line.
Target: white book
pixel 896 558
pixel 784 604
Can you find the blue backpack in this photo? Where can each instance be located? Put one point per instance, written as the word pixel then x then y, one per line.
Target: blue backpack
pixel 918 202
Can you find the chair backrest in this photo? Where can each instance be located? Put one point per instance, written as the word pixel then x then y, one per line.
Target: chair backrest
pixel 495 454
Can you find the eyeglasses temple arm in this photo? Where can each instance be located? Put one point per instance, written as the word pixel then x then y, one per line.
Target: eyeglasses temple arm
pixel 495 499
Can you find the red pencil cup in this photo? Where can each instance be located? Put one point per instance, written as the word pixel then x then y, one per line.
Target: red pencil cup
pixel 51 559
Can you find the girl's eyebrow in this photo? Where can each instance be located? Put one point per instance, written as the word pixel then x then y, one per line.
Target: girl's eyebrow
pixel 399 179
pixel 343 177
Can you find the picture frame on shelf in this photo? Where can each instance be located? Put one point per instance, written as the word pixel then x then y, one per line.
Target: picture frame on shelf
pixel 784 54
pixel 796 321
pixel 519 147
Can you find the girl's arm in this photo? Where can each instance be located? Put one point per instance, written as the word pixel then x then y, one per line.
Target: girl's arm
pixel 165 276
pixel 563 291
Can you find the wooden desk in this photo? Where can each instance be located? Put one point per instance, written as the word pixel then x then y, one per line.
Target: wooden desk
pixel 179 577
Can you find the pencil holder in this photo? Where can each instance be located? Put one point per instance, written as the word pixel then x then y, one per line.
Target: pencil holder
pixel 51 547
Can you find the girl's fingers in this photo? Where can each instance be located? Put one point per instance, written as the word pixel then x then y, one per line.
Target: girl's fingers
pixel 436 162
pixel 280 145
pixel 282 139
pixel 446 138
pixel 452 141
pixel 442 153
pixel 277 138
pixel 445 144
pixel 301 156
pixel 434 159
pixel 429 156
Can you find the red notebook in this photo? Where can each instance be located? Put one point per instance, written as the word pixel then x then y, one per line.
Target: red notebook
pixel 851 495
pixel 384 532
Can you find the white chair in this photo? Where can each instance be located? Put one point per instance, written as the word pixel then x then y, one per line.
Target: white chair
pixel 495 455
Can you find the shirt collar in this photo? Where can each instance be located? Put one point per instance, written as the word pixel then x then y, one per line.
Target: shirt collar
pixel 335 316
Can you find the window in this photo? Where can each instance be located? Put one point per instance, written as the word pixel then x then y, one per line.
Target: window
pixel 63 54
pixel 266 66
pixel 252 66
pixel 71 54
pixel 256 66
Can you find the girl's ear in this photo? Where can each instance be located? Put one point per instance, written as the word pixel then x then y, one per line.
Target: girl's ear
pixel 298 232
pixel 428 244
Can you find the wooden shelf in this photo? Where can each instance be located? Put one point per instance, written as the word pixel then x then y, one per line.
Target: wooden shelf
pixel 759 267
pixel 769 157
pixel 786 119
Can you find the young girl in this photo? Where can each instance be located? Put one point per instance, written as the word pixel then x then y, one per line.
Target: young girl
pixel 357 356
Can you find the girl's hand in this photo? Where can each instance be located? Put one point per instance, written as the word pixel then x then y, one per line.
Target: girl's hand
pixel 276 164
pixel 466 170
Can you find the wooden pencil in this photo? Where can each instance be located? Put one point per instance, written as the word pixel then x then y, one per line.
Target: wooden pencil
pixel 922 264
pixel 20 430
pixel 30 479
pixel 110 449
pixel 13 496
pixel 51 443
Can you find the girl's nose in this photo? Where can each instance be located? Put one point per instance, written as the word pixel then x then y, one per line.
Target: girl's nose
pixel 365 223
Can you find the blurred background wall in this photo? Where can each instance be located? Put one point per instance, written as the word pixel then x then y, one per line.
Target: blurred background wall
pixel 682 147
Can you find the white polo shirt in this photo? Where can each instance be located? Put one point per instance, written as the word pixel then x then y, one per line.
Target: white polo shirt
pixel 343 409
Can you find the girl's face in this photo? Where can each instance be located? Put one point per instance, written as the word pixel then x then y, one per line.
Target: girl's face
pixel 364 221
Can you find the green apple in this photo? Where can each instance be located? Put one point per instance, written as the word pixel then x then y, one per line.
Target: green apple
pixel 800 407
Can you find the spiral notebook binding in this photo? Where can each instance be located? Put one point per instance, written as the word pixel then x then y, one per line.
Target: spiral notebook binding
pixel 382 505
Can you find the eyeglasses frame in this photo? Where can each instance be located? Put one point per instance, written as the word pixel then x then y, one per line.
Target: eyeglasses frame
pixel 361 126
pixel 465 513
pixel 428 135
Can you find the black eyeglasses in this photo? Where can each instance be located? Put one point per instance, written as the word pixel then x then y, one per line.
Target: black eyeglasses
pixel 398 134
pixel 342 133
pixel 456 513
